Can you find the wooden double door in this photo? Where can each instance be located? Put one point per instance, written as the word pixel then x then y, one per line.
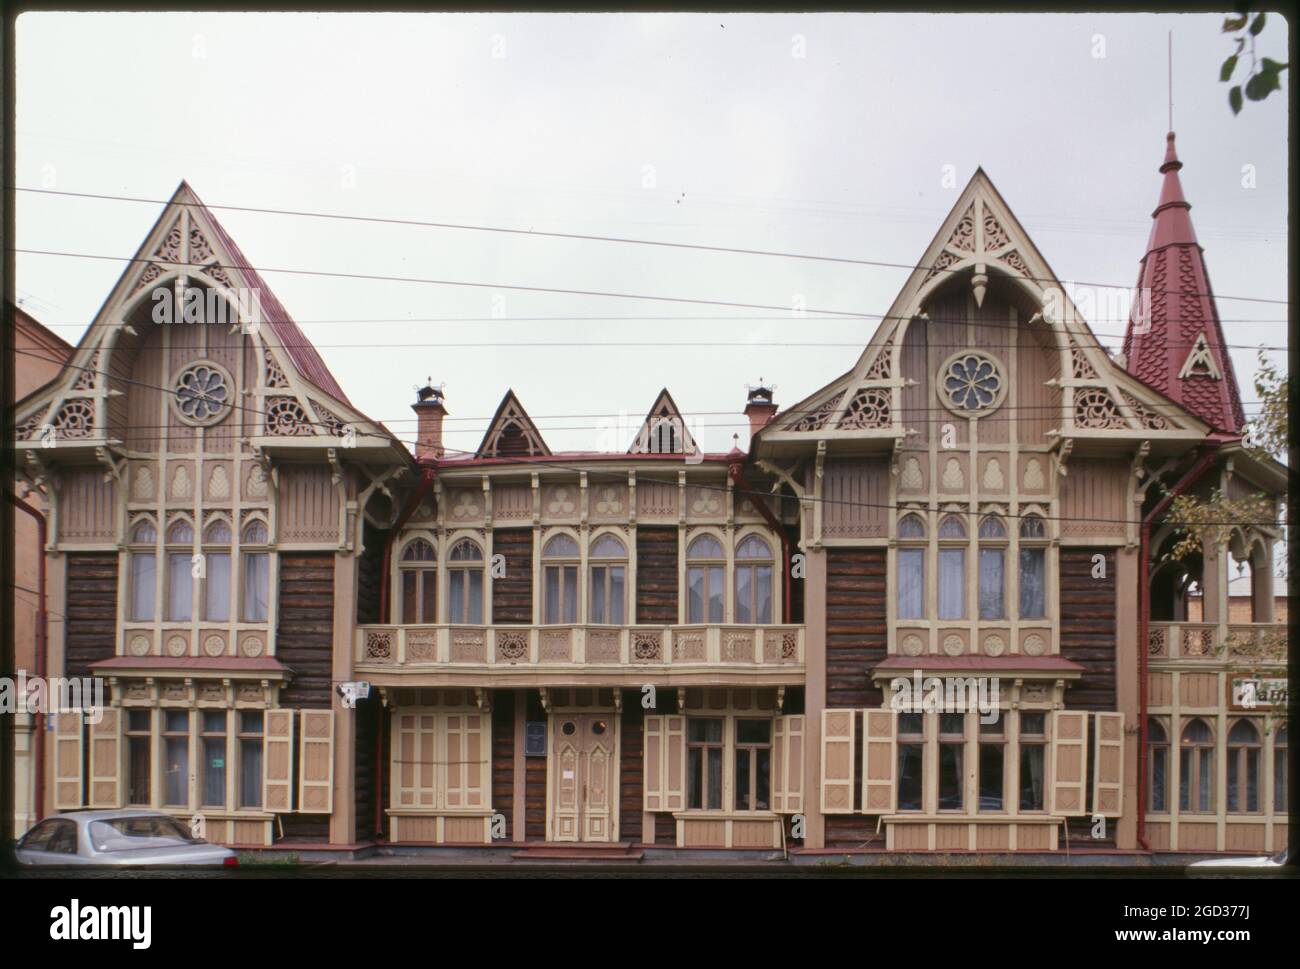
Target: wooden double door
pixel 584 776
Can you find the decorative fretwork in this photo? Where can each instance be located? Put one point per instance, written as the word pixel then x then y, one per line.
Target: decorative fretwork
pixel 963 237
pixel 945 260
pixel 151 272
pixel 646 647
pixel 27 429
pixel 170 248
pixel 467 647
pixel 995 237
pixel 1014 261
pixel 220 275
pixel 286 418
pixel 1095 408
pixel 75 419
pixel 511 646
pixel 330 421
pixel 1156 645
pixel 1198 642
pixel 420 648
pixel 880 367
pixel 689 648
pixel 274 375
pixel 379 646
pixel 868 408
pixel 86 380
pixel 818 418
pixel 200 251
pixel 1079 365
pixel 1148 418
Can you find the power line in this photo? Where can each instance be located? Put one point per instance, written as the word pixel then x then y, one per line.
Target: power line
pixel 587 237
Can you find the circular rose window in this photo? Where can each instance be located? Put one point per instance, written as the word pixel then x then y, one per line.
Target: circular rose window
pixel 202 393
pixel 971 383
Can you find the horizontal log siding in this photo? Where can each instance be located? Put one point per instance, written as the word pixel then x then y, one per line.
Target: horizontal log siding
pixel 1088 627
pixel 90 630
pixel 512 594
pixel 630 768
pixel 855 625
pixel 305 634
pixel 656 575
pixel 503 756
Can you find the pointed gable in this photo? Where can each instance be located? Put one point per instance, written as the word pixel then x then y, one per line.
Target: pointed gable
pixel 1174 341
pixel 664 430
pixel 512 433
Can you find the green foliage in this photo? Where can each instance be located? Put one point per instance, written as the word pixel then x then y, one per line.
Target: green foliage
pixel 1264 76
pixel 1267 434
pixel 1200 522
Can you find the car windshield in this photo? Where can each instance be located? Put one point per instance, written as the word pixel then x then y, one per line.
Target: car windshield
pixel 145 831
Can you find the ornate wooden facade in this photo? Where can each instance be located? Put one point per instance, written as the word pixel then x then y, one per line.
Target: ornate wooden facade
pixel 664 646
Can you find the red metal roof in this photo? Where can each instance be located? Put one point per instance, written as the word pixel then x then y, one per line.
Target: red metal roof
pixel 1178 310
pixel 304 356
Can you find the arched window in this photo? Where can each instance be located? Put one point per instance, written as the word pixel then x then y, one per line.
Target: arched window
pixel 1196 768
pixel 1243 767
pixel 1158 768
pixel 216 571
pixel 465 583
pixel 911 567
pixel 706 564
pixel 993 567
pixel 952 568
pixel 419 570
pixel 608 564
pixel 1279 770
pixel 256 567
pixel 182 568
pixel 753 580
pixel 144 570
pixel 1033 568
pixel 560 580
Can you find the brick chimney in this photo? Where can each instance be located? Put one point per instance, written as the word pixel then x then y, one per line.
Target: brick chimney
pixel 429 412
pixel 759 408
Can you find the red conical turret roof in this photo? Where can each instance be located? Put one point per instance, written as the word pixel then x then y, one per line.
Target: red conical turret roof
pixel 1174 341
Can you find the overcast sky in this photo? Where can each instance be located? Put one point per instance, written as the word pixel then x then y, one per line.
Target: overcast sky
pixel 705 129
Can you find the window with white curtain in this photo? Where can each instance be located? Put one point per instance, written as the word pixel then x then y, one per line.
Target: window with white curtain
pixel 216 580
pixel 952 569
pixel 465 583
pixel 706 564
pixel 608 588
pixel 911 568
pixel 256 567
pixel 1033 568
pixel 753 580
pixel 180 577
pixel 993 556
pixel 560 580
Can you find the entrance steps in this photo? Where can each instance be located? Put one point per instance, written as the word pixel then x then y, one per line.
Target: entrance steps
pixel 578 851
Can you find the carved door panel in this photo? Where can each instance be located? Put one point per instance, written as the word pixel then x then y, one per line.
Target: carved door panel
pixel 584 778
pixel 566 785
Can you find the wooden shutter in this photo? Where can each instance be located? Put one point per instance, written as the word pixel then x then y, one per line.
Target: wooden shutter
pixel 277 762
pixel 652 764
pixel 1069 761
pixel 467 767
pixel 838 741
pixel 316 762
pixel 106 758
pixel 880 762
pixel 787 765
pixel 1108 764
pixel 67 759
pixel 414 760
pixel 674 769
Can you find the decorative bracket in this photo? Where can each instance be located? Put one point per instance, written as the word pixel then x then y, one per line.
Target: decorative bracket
pixel 780 699
pixel 782 474
pixel 681 699
pixel 546 698
pixel 618 701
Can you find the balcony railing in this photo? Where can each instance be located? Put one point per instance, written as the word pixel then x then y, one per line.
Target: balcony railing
pixel 745 646
pixel 1255 642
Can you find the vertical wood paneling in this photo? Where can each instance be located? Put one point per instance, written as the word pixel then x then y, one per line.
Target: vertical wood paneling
pixel 186 346
pixel 309 506
pixel 1093 497
pixel 948 334
pixel 914 366
pixel 144 408
pixel 224 347
pixel 1036 363
pixel 855 498
pixel 87 507
pixel 993 333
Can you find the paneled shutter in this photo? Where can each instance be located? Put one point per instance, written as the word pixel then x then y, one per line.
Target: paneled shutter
pixel 277 761
pixel 880 762
pixel 1069 761
pixel 1108 764
pixel 67 760
pixel 787 765
pixel 652 764
pixel 414 760
pixel 674 769
pixel 838 743
pixel 466 761
pixel 106 758
pixel 316 762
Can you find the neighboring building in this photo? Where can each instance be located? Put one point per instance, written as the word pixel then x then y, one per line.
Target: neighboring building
pixel 663 647
pixel 40 357
pixel 1241 601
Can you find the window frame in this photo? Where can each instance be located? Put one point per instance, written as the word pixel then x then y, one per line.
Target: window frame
pixel 565 568
pixel 753 566
pixel 916 546
pixel 1191 756
pixel 706 566
pixel 607 564
pixel 419 571
pixel 465 569
pixel 1237 757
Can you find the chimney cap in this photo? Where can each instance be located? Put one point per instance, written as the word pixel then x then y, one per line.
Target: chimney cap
pixel 761 393
pixel 429 394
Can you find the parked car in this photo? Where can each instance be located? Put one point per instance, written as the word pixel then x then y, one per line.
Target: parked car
pixel 1240 863
pixel 117 838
